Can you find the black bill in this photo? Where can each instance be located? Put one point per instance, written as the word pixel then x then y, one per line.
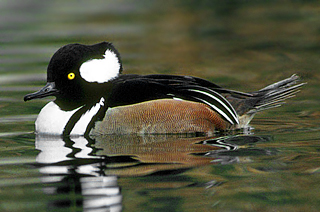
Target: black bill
pixel 48 90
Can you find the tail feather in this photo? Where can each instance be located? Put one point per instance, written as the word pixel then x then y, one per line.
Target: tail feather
pixel 279 101
pixel 278 97
pixel 283 83
pixel 276 93
pixel 272 96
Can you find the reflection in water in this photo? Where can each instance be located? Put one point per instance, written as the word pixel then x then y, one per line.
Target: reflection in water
pixel 87 170
pixel 69 169
pixel 235 147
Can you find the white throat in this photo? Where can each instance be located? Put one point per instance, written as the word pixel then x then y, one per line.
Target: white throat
pixel 52 120
pixel 101 70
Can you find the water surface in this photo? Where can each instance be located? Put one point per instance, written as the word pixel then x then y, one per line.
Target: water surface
pixel 240 45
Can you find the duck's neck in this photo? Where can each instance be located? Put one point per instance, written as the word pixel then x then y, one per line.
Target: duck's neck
pixel 67 105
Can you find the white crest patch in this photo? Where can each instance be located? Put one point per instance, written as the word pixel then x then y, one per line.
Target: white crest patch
pixel 101 70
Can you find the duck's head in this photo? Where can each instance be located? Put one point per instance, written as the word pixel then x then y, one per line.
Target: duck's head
pixel 77 73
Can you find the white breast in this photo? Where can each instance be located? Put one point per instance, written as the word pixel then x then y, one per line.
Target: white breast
pixel 52 120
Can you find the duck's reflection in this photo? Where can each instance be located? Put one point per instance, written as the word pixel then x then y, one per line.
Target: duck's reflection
pixel 87 169
pixel 153 154
pixel 73 175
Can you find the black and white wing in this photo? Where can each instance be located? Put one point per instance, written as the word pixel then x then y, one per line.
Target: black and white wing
pixel 130 89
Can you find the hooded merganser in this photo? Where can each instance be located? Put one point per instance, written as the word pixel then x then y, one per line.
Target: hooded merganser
pixel 93 98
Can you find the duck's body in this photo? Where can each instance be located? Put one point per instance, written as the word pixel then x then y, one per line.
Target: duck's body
pixel 160 116
pixel 94 98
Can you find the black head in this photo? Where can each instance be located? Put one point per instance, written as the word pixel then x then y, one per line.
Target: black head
pixel 77 73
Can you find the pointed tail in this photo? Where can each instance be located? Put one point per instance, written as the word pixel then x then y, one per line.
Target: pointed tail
pixel 275 94
pixel 271 96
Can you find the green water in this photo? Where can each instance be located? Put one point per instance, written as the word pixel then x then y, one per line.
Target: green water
pixel 241 45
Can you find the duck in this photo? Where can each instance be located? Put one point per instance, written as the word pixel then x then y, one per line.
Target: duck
pixel 93 97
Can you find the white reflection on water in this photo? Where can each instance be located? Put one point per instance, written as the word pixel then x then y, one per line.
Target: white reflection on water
pixel 52 149
pixel 97 192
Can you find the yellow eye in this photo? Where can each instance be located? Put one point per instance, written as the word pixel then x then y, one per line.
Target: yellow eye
pixel 71 76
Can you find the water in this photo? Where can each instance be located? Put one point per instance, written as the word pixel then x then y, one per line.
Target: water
pixel 239 45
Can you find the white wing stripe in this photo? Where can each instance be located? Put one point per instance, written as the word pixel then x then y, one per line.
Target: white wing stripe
pixel 232 112
pixel 82 124
pixel 218 110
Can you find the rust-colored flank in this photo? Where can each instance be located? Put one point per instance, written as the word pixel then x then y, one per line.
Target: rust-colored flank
pixel 161 116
